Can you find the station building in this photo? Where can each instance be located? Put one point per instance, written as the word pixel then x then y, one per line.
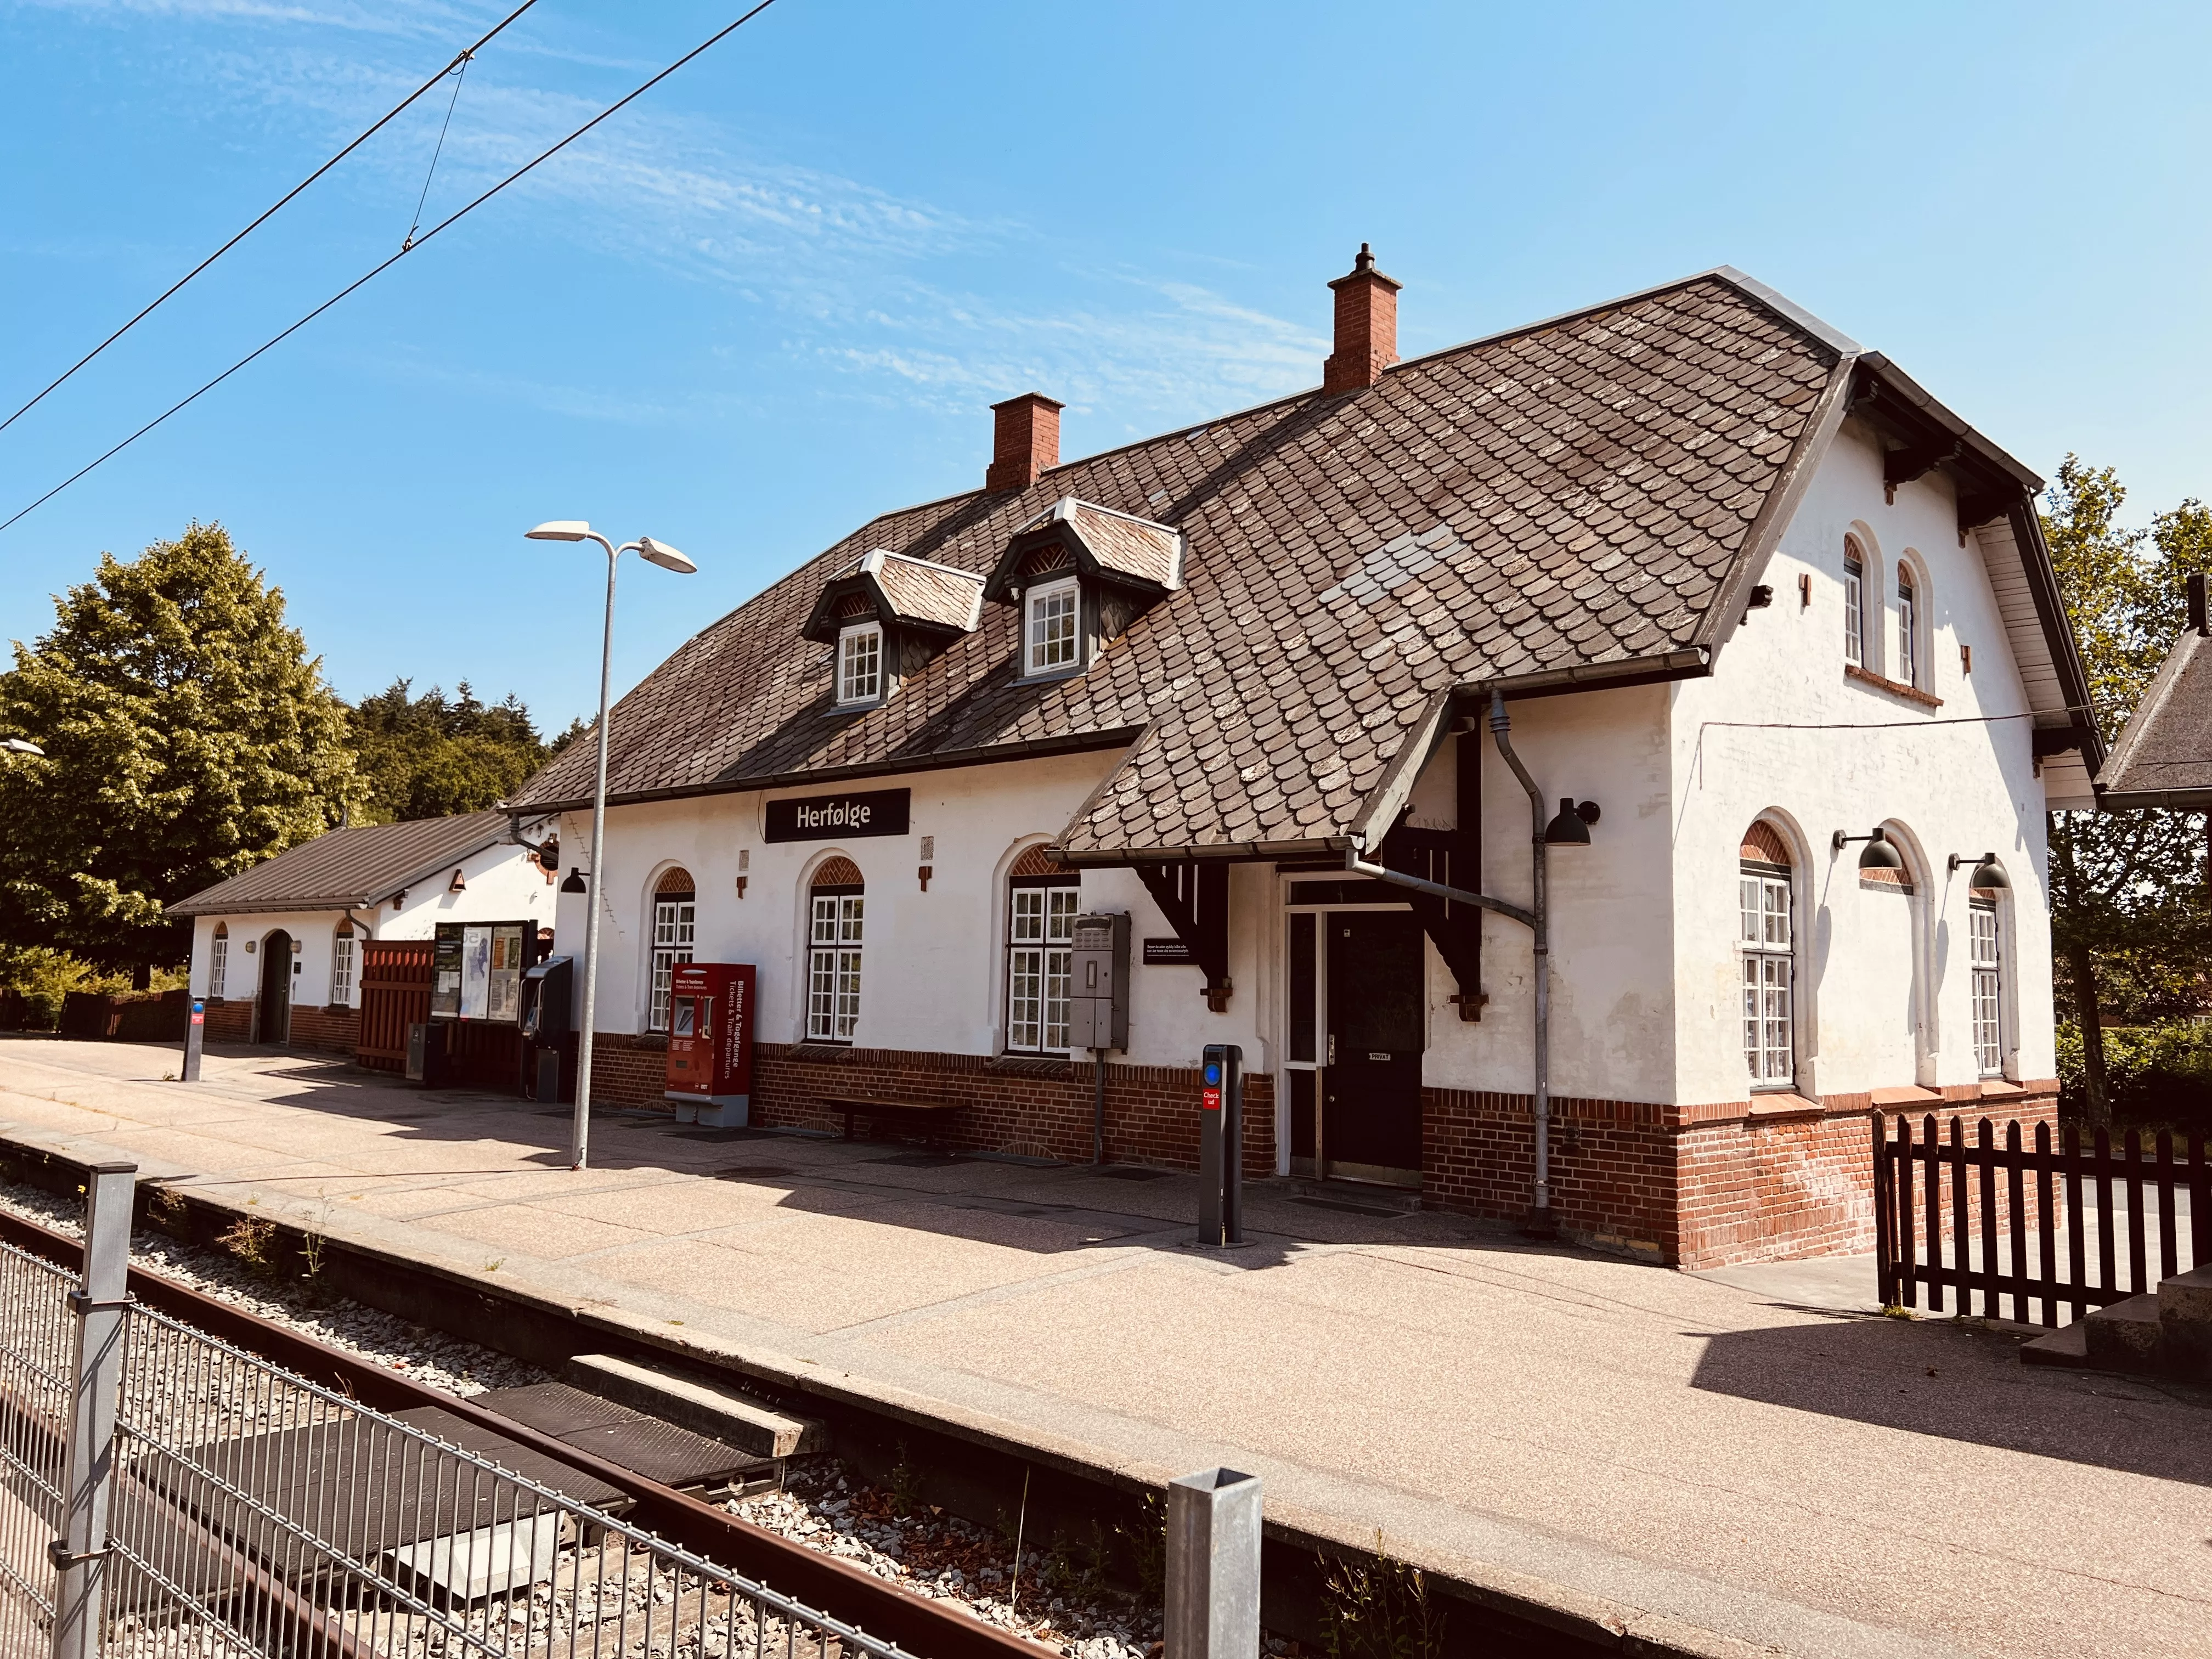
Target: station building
pixel 1736 587
pixel 278 950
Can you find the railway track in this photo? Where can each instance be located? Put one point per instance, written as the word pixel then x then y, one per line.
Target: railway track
pixel 916 1623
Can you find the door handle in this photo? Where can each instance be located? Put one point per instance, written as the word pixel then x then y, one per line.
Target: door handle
pixel 1332 1047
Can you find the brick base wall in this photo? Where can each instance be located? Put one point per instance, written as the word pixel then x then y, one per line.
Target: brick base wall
pixel 335 1029
pixel 230 1020
pixel 1029 1108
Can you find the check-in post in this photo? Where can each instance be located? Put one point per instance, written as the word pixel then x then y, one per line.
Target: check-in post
pixel 1221 1147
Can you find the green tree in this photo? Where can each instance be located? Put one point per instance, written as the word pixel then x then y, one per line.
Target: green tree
pixel 426 757
pixel 188 735
pixel 2130 917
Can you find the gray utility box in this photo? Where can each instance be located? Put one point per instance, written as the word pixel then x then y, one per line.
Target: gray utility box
pixel 1101 988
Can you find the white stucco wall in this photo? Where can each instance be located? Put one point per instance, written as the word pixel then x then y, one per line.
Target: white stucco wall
pixel 1884 988
pixel 501 883
pixel 932 969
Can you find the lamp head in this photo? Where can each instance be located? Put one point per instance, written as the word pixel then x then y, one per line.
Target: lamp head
pixel 1567 829
pixel 559 530
pixel 20 746
pixel 666 557
pixel 1988 878
pixel 1879 854
pixel 575 881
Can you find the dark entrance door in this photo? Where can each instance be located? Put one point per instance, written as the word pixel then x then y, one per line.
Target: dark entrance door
pixel 1372 1078
pixel 276 988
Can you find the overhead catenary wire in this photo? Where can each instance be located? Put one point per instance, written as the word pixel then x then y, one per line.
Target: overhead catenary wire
pixel 378 269
pixel 408 240
pixel 389 116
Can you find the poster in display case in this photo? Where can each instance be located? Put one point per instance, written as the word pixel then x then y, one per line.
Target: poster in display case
pixel 477 970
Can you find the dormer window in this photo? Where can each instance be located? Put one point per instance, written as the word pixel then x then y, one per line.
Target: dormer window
pixel 860 664
pixel 1054 641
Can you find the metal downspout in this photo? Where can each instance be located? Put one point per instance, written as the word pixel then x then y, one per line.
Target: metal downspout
pixel 1500 730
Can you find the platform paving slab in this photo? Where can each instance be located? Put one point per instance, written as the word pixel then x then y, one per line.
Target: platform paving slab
pixel 1710 1464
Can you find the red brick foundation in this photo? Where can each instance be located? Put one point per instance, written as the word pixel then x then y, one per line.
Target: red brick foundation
pixel 336 1030
pixel 1772 1180
pixel 230 1020
pixel 1029 1108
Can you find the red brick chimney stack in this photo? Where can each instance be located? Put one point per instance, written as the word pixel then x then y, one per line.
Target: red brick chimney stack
pixel 1025 441
pixel 1366 327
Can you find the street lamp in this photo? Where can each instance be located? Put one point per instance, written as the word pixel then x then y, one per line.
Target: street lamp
pixel 20 746
pixel 652 552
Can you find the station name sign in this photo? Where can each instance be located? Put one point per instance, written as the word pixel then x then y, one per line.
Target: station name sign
pixel 832 817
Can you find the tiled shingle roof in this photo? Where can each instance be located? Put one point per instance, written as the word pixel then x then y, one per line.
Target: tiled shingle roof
pixel 1574 495
pixel 919 591
pixel 349 867
pixel 2164 758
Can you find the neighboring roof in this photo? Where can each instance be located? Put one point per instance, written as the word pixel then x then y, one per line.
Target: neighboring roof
pixel 1585 499
pixel 343 868
pixel 2164 758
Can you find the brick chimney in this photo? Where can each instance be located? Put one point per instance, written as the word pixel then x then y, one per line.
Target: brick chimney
pixel 1366 327
pixel 1025 441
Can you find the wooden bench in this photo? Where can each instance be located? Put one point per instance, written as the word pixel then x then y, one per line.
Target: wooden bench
pixel 853 1106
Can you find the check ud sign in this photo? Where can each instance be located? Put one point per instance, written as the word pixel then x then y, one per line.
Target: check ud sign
pixel 836 817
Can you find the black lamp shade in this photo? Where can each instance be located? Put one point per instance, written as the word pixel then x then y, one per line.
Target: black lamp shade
pixel 1567 829
pixel 1988 879
pixel 575 881
pixel 1881 855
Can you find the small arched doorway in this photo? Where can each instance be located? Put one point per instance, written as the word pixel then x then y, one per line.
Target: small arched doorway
pixel 276 1009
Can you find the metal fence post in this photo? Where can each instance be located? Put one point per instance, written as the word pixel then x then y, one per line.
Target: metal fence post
pixel 1214 1566
pixel 79 1554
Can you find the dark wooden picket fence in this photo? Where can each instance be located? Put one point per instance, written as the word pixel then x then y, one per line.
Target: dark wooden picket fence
pixel 1941 1205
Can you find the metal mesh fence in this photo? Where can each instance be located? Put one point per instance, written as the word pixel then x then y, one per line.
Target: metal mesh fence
pixel 36 1341
pixel 254 1513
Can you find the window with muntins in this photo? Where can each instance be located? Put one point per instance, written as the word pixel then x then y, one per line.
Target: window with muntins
pixel 342 970
pixel 1041 912
pixel 675 926
pixel 1053 644
pixel 860 664
pixel 1908 621
pixel 1854 604
pixel 1989 987
pixel 833 962
pixel 218 959
pixel 1766 949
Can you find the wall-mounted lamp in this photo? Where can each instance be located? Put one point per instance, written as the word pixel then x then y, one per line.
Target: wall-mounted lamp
pixel 1571 827
pixel 1761 597
pixel 741 886
pixel 575 881
pixel 1988 878
pixel 1879 854
pixel 458 885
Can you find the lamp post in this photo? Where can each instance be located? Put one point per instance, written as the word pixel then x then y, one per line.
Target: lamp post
pixel 652 552
pixel 20 746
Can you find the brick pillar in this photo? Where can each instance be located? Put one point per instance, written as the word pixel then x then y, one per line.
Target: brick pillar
pixel 1366 326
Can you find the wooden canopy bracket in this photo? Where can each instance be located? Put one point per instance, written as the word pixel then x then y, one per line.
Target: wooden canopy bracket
pixel 1455 929
pixel 1195 898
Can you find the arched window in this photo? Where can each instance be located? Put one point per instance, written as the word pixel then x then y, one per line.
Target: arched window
pixel 836 908
pixel 1987 968
pixel 675 924
pixel 341 969
pixel 218 959
pixel 1908 627
pixel 1854 602
pixel 1766 934
pixel 1041 903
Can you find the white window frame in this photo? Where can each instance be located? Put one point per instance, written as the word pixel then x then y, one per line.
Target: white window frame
pixel 1766 954
pixel 1854 605
pixel 855 644
pixel 675 931
pixel 835 924
pixel 218 963
pixel 1059 652
pixel 345 982
pixel 1985 955
pixel 1908 628
pixel 1041 913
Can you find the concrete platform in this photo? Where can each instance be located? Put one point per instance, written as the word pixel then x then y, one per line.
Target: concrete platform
pixel 1702 1466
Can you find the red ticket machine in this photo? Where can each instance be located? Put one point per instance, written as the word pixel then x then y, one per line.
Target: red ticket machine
pixel 710 1043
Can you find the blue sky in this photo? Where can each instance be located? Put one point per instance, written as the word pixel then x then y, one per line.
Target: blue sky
pixel 775 296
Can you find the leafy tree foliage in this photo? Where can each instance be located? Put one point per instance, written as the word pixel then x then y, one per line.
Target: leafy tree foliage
pixel 426 757
pixel 188 735
pixel 2131 920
